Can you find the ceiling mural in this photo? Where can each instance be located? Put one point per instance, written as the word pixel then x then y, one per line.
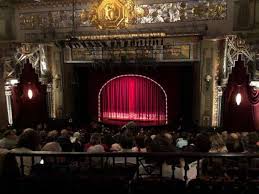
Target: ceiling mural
pixel 117 14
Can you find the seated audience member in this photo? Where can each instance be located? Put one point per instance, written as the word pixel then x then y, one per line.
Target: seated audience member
pixel 96 161
pixel 75 140
pixel 202 143
pixel 51 147
pixel 64 141
pixel 8 164
pixel 107 141
pixel 116 148
pixel 214 167
pixel 52 136
pixel 139 144
pixel 159 144
pixel 189 163
pixel 94 140
pixel 252 139
pixel 28 141
pixel 234 143
pixel 224 136
pixel 217 144
pixel 43 137
pixel 9 140
pixel 182 141
pixel 126 143
pixel 231 165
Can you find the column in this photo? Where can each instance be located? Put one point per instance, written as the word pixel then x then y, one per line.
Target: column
pixel 8 95
pixel 49 100
pixel 220 94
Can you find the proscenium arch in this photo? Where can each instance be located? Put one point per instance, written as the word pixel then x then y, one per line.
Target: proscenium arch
pixel 131 75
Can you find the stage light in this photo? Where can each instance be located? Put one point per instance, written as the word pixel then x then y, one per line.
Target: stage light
pixel 30 94
pixel 238 99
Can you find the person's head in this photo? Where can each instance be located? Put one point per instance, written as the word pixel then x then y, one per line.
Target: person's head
pixel 252 138
pixel 95 139
pixel 202 142
pixel 160 144
pixel 224 135
pixel 108 140
pixel 126 142
pixel 29 139
pixel 52 147
pixel 10 134
pixel 233 144
pixel 116 148
pixel 75 138
pixel 52 135
pixel 217 142
pixel 96 149
pixel 140 141
pixel 65 133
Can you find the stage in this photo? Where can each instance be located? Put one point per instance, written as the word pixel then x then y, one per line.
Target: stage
pixel 149 95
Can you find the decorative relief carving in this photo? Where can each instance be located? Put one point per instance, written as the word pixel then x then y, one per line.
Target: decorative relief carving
pixel 120 13
pixel 35 53
pixel 112 14
pixel 184 11
pixel 235 46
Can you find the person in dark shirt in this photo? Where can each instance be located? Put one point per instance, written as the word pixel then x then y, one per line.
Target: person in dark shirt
pixel 64 141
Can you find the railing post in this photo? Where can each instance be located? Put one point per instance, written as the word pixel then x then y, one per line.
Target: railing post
pixel 22 165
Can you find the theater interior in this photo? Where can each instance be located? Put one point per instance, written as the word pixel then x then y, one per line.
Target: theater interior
pixel 130 94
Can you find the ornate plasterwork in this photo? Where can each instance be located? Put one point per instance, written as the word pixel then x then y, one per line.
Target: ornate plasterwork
pixel 235 46
pixel 183 11
pixel 112 14
pixel 119 13
pixel 35 53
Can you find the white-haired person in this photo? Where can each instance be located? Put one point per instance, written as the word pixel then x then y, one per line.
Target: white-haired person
pixel 96 162
pixel 76 142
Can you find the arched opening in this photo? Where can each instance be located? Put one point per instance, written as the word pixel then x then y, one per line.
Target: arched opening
pixel 29 99
pixel 132 97
pixel 241 101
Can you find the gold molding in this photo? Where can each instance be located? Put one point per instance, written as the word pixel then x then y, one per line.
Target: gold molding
pixel 112 14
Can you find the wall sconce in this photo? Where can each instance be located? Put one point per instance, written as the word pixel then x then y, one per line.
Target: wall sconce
pixel 238 97
pixel 30 94
pixel 207 80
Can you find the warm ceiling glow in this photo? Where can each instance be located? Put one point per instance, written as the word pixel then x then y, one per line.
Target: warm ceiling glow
pixel 238 99
pixel 30 94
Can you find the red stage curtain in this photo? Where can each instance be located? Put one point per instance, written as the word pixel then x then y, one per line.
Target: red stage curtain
pixel 244 117
pixel 132 98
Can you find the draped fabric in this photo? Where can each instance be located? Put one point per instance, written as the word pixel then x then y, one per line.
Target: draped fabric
pixel 244 117
pixel 133 98
pixel 29 112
